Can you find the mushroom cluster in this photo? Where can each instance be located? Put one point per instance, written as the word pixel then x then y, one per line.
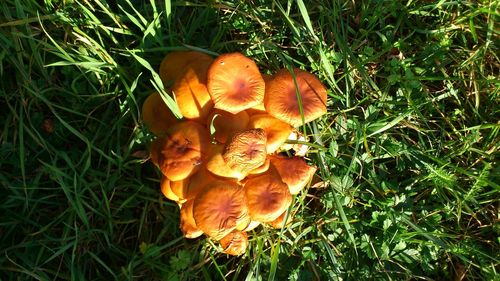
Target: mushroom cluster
pixel 222 163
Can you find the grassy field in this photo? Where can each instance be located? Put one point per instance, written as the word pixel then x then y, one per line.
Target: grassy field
pixel 408 151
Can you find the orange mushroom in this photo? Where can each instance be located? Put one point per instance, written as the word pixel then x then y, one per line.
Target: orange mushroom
pixel 267 197
pixel 226 124
pixel 235 243
pixel 166 189
pixel 280 221
pixel 218 166
pixel 294 171
pixel 179 188
pixel 220 209
pixel 260 108
pixel 246 150
pixel 262 168
pixel 181 151
pixel 156 115
pixel 235 83
pixel 199 182
pixel 187 224
pixel 174 63
pixel 190 90
pixel 277 131
pixel 281 97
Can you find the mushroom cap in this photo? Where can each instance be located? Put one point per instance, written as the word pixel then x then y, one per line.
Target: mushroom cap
pixel 246 150
pixel 156 115
pixel 179 188
pixel 281 97
pixel 294 171
pixel 173 63
pixel 260 108
pixel 252 225
pixel 181 151
pixel 218 166
pixel 166 190
pixel 198 182
pixel 235 83
pixel 277 131
pixel 257 109
pixel 262 168
pixel 190 90
pixel 187 224
pixel 280 221
pixel 226 124
pixel 267 197
pixel 235 243
pixel 220 208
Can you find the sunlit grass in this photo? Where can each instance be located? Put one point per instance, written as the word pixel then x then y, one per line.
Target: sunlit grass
pixel 408 152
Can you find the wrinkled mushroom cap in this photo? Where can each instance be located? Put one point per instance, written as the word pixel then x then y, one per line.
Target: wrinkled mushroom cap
pixel 227 124
pixel 246 150
pixel 156 115
pixel 174 63
pixel 187 224
pixel 281 97
pixel 220 209
pixel 190 90
pixel 235 83
pixel 294 171
pixel 267 197
pixel 235 243
pixel 218 166
pixel 180 153
pixel 261 169
pixel 276 130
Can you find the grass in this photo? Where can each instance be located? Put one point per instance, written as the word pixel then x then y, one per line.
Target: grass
pixel 408 151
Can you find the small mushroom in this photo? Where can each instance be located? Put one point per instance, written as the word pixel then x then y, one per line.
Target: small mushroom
pixel 261 169
pixel 166 190
pixel 181 151
pixel 191 94
pixel 227 124
pixel 267 197
pixel 235 83
pixel 218 166
pixel 187 224
pixel 277 131
pixel 179 188
pixel 246 150
pixel 156 115
pixel 199 182
pixel 281 97
pixel 294 171
pixel 220 209
pixel 235 243
pixel 174 63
